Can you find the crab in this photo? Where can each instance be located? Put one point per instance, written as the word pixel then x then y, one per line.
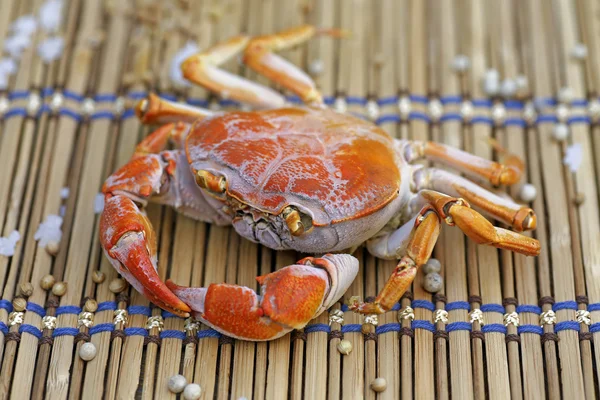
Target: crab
pixel 304 178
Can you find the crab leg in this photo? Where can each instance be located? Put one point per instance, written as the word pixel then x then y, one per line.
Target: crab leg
pixel 422 239
pixel 520 218
pixel 458 212
pixel 156 110
pixel 289 299
pixel 203 70
pixel 507 173
pixel 418 244
pixel 126 235
pixel 260 56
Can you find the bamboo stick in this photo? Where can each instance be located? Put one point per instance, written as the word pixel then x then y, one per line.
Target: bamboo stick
pixel 558 221
pixel 532 384
pixel 589 32
pixel 582 231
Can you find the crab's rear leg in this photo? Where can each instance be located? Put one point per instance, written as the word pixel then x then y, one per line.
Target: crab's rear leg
pixel 519 217
pixel 289 299
pixel 156 110
pixel 508 172
pixel 260 56
pixel 417 243
pixel 203 69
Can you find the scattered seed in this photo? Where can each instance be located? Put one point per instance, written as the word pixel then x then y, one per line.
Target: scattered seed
pixel 52 247
pixel 177 383
pixel 491 82
pixel 565 95
pixel 367 328
pixel 59 288
pixel 579 52
pixel 379 384
pixel 47 282
pixel 345 347
pixel 19 304
pixel 560 132
pixel 316 67
pixel 98 276
pixel 461 63
pixel 26 289
pixel 117 285
pixel 508 88
pixel 88 351
pixel 528 193
pixel 192 391
pixel 579 199
pixel 91 305
pixel 432 265
pixel 433 282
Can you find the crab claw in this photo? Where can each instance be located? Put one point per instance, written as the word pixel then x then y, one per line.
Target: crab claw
pixel 289 299
pixel 129 243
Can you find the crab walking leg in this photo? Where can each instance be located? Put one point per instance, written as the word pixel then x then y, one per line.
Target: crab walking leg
pixel 157 140
pixel 507 173
pixel 417 246
pixel 260 56
pixel 156 110
pixel 289 299
pixel 458 212
pixel 203 70
pixel 520 218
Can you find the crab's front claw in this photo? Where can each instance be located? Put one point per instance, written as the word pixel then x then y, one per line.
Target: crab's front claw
pixel 289 299
pixel 129 243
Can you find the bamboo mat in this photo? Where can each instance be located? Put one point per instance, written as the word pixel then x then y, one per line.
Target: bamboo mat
pixel 395 69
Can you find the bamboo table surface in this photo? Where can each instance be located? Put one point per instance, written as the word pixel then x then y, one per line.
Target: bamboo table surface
pixel 540 336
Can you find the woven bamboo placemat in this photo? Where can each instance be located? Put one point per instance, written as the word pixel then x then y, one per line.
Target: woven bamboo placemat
pixel 68 123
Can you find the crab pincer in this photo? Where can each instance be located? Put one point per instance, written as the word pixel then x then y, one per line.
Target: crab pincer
pixel 289 298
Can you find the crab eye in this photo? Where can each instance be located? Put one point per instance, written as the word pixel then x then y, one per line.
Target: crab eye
pixel 208 181
pixel 298 223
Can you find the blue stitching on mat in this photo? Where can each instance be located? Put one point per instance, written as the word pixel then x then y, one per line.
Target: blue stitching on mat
pixel 135 332
pixel 498 308
pixel 107 306
pixel 316 328
pixel 106 327
pixel 566 325
pixel 529 308
pixel 426 304
pixel 208 333
pixel 458 305
pixel 458 326
pixel 530 329
pixel 6 305
pixel 172 334
pixel 36 308
pixel 65 332
pixel 590 307
pixel 423 324
pixel 564 305
pixel 494 328
pixel 32 330
pixel 139 310
pixel 68 310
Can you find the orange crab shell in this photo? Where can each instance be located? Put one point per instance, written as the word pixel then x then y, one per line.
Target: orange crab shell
pixel 338 166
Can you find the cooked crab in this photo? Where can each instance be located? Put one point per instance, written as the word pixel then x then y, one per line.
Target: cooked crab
pixel 305 178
